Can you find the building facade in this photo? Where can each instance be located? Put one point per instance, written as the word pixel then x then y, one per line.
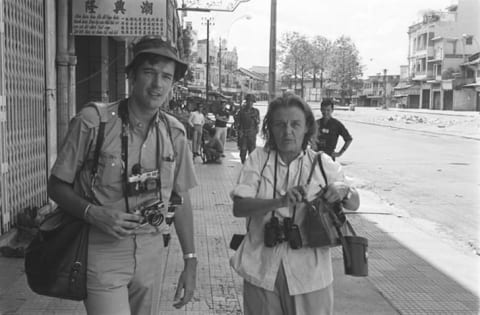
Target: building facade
pixel 439 46
pixel 378 91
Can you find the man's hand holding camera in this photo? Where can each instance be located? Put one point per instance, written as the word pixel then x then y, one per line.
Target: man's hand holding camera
pixel 113 221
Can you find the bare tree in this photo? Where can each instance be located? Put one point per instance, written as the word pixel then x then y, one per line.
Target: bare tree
pixel 345 65
pixel 321 51
pixel 296 55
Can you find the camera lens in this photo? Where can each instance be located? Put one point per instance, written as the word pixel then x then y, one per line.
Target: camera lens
pixel 154 218
pixel 136 169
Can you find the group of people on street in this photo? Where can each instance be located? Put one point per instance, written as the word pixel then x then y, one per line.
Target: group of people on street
pixel 145 145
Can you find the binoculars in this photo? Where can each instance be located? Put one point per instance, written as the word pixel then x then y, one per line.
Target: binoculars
pixel 276 233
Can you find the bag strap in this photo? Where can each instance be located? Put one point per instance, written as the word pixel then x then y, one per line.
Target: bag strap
pixel 348 258
pixel 314 163
pixel 101 109
pixel 319 158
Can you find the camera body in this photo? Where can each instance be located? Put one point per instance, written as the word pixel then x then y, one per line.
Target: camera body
pixel 276 233
pixel 143 182
pixel 175 201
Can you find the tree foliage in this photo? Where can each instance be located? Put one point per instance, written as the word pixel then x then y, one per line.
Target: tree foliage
pixel 337 62
pixel 295 55
pixel 321 50
pixel 345 65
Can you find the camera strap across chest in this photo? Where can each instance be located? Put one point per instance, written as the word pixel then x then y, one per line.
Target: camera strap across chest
pixel 123 113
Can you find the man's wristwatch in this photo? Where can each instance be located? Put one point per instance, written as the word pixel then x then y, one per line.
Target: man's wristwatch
pixel 190 256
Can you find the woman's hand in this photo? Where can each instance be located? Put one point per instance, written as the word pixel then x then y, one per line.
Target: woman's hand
pixel 335 192
pixel 293 196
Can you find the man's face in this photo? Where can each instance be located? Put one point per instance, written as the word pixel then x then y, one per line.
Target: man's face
pixel 152 83
pixel 249 102
pixel 327 111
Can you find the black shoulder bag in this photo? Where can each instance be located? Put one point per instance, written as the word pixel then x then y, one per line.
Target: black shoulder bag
pixel 56 259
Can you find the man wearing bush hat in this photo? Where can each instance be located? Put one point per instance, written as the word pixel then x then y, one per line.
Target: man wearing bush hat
pixel 124 272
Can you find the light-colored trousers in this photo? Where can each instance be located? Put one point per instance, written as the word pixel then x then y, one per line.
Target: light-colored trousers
pixel 258 301
pixel 197 138
pixel 124 276
pixel 221 134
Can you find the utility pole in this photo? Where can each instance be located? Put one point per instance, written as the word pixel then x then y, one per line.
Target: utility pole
pixel 385 88
pixel 208 59
pixel 220 65
pixel 207 21
pixel 273 47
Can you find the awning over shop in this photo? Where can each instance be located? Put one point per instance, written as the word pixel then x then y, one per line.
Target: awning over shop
pixel 407 90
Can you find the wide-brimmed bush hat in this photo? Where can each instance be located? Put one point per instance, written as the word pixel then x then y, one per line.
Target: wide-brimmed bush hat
pixel 157 46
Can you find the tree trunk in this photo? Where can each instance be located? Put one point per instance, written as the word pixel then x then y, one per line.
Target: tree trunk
pixel 314 77
pixel 301 82
pixel 295 77
pixel 321 79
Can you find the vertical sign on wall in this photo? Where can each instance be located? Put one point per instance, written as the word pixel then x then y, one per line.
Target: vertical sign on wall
pixel 4 207
pixel 171 23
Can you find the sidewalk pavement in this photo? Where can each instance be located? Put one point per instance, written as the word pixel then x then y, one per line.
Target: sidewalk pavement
pixel 403 279
pixel 400 281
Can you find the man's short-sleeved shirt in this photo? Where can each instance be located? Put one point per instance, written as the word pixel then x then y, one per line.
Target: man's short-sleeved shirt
pixel 221 123
pixel 75 158
pixel 328 133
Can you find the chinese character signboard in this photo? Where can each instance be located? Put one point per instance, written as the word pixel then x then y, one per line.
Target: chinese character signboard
pixel 171 23
pixel 120 18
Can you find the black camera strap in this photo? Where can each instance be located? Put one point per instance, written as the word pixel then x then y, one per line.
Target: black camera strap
pixel 275 181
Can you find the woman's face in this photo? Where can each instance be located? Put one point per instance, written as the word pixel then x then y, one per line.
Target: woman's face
pixel 289 129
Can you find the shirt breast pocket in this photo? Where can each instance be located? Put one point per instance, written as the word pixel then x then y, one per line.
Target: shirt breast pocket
pixel 109 170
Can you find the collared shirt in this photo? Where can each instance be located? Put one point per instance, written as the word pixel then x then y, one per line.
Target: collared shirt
pixel 328 133
pixel 306 269
pixel 196 118
pixel 221 123
pixel 75 158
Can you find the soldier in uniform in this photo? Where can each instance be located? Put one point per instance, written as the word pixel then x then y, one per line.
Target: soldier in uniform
pixel 248 121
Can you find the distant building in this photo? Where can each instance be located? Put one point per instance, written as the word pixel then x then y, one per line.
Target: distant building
pixel 439 48
pixel 378 90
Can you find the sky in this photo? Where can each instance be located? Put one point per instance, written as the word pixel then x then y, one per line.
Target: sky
pixel 377 27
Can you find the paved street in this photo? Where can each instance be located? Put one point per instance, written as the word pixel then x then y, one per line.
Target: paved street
pixel 402 279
